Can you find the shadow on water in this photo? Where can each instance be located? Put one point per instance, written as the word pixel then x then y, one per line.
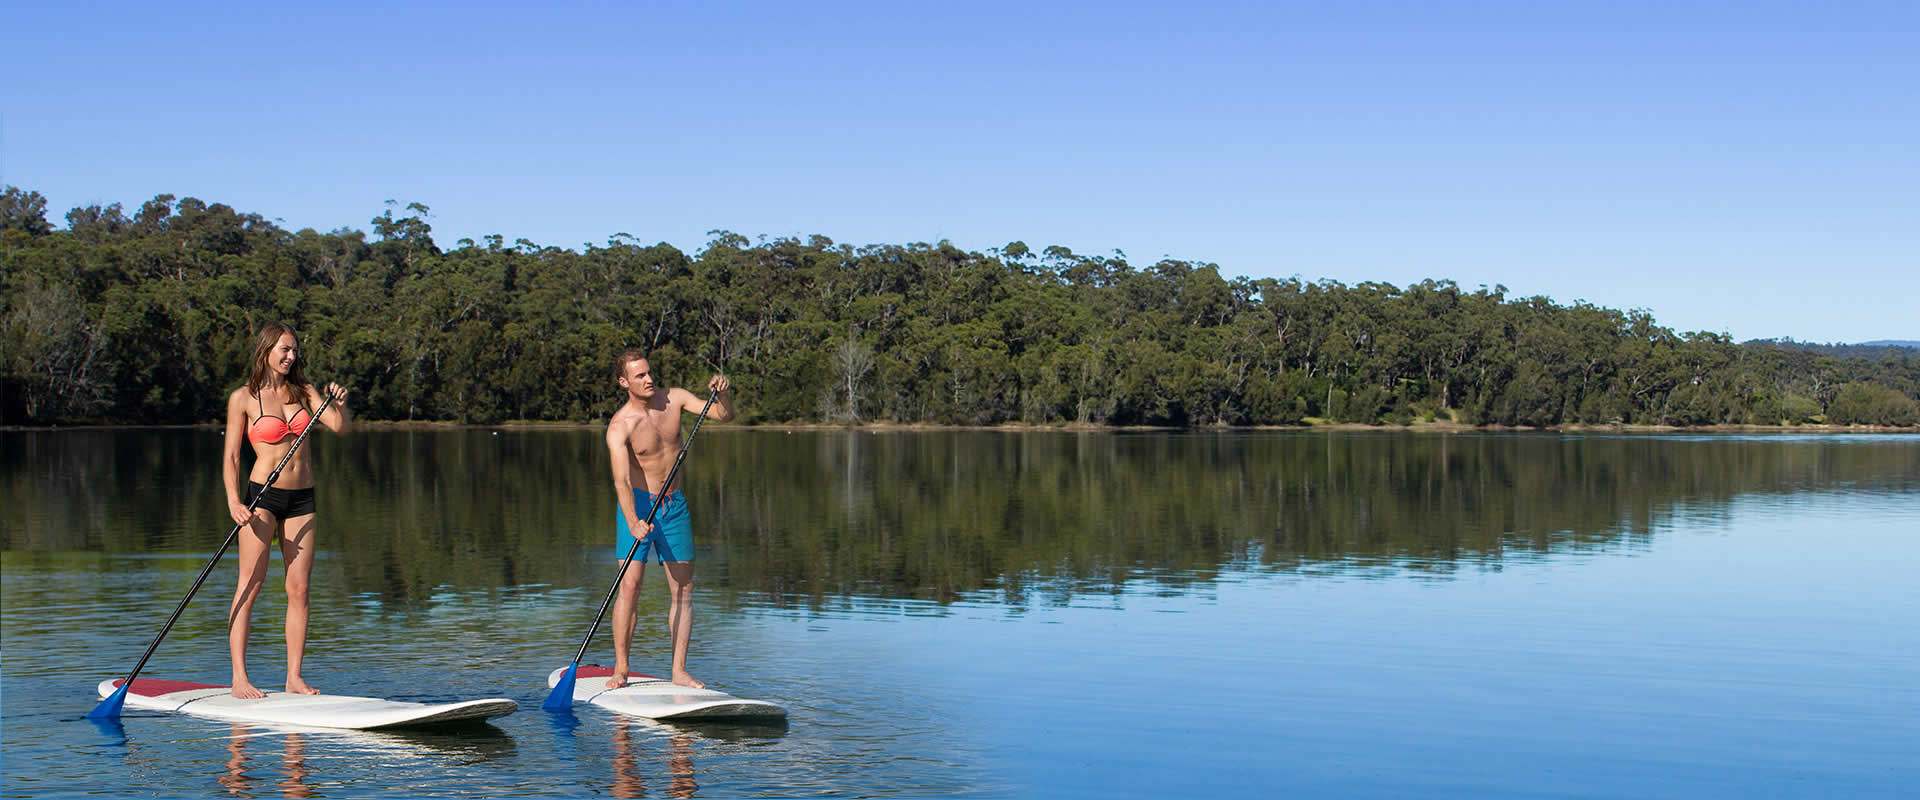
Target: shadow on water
pixel 742 730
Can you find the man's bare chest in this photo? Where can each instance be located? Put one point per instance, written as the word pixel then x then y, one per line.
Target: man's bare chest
pixel 652 437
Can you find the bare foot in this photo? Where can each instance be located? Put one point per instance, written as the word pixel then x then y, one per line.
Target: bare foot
pixel 299 686
pixel 618 680
pixel 681 678
pixel 245 691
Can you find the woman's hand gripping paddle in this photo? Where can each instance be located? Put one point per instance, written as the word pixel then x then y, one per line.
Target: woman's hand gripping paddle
pixel 110 707
pixel 561 698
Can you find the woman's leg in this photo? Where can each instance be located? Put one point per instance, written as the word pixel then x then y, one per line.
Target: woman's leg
pixel 296 552
pixel 255 539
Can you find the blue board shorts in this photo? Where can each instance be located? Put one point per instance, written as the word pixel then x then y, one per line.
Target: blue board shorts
pixel 672 536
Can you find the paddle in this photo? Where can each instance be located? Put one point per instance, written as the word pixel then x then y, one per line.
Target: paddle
pixel 110 707
pixel 561 698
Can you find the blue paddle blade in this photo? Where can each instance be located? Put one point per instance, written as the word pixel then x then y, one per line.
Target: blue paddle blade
pixel 561 698
pixel 110 707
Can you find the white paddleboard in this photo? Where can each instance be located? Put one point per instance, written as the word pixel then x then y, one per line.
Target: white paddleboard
pixel 658 698
pixel 310 710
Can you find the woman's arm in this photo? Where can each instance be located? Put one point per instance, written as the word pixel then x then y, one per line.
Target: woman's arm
pixel 230 455
pixel 336 416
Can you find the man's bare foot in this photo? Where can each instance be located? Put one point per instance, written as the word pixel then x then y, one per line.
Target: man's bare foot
pixel 298 686
pixel 245 691
pixel 681 678
pixel 618 680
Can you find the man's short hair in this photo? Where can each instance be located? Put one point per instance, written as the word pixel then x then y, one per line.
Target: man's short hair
pixel 626 357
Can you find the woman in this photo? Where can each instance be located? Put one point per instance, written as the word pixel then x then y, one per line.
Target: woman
pixel 271 412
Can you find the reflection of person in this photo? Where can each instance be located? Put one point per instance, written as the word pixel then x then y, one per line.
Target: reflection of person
pixel 627 781
pixel 235 778
pixel 680 766
pixel 259 413
pixel 294 766
pixel 644 438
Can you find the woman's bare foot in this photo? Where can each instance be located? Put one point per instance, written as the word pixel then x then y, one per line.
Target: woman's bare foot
pixel 245 691
pixel 298 686
pixel 681 678
pixel 618 680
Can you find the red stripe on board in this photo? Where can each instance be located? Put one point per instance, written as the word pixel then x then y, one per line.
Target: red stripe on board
pixel 147 687
pixel 597 671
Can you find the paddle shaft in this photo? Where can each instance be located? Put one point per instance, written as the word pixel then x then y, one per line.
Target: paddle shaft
pixel 658 501
pixel 231 535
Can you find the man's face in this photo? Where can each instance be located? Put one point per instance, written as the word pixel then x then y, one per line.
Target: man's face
pixel 638 378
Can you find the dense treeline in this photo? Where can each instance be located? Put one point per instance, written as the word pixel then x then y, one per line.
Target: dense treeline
pixel 146 318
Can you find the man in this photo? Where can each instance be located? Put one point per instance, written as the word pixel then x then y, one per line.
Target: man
pixel 644 439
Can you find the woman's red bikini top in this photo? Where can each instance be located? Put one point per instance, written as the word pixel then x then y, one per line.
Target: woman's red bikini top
pixel 269 429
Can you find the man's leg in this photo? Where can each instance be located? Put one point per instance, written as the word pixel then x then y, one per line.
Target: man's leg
pixel 623 618
pixel 680 618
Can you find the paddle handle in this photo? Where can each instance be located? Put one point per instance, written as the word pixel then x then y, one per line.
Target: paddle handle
pixel 658 500
pixel 231 535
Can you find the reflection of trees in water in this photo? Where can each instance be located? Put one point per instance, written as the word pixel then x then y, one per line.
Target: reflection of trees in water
pixel 1040 517
pixel 401 513
pixel 1032 516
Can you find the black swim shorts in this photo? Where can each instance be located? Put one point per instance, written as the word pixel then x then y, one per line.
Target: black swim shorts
pixel 282 503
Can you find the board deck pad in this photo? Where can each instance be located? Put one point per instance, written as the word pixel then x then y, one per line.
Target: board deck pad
pixel 658 698
pixel 310 710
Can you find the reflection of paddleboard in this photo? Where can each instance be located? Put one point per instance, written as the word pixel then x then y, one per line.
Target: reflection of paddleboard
pixel 313 710
pixel 461 742
pixel 657 698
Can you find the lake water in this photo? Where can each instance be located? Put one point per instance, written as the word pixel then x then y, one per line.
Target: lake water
pixel 1028 614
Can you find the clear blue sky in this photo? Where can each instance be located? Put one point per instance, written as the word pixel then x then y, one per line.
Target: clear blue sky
pixel 1742 168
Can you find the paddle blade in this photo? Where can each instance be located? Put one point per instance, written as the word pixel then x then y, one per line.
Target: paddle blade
pixel 110 707
pixel 561 698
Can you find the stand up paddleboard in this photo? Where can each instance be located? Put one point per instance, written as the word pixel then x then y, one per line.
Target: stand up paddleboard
pixel 311 710
pixel 658 698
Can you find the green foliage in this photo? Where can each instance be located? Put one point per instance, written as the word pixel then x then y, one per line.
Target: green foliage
pixel 147 318
pixel 1797 409
pixel 23 211
pixel 1866 404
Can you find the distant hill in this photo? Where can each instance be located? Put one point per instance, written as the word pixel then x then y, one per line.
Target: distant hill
pixel 1880 349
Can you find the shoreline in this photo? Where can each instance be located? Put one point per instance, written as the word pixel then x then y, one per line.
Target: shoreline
pixel 1068 427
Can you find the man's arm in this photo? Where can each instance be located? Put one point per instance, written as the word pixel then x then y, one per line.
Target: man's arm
pixel 722 402
pixel 623 480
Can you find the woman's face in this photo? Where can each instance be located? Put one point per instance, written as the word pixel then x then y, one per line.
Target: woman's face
pixel 280 359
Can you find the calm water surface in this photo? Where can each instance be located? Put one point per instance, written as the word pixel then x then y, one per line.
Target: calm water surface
pixel 1013 614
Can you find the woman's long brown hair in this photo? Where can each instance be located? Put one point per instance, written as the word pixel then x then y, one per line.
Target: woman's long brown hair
pixel 263 343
